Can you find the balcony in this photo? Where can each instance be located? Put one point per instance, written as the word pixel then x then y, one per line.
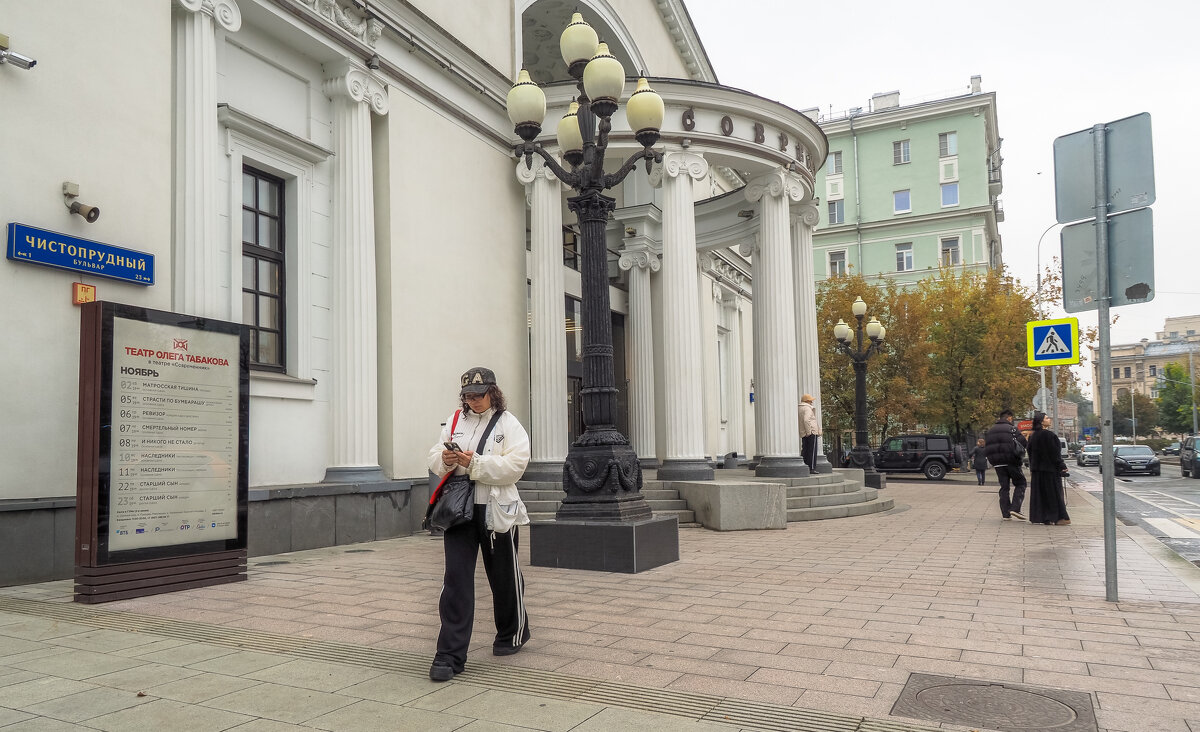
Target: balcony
pixel 999 206
pixel 995 180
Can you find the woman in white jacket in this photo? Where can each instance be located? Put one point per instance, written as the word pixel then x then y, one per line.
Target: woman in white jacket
pixel 494 466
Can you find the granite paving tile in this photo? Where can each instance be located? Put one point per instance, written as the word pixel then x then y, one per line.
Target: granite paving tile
pixel 165 714
pixel 526 710
pixel 278 702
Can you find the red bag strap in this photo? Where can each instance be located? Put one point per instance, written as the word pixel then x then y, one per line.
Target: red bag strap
pixel 437 491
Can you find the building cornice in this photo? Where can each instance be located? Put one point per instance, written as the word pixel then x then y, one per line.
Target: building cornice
pixel 687 42
pixel 987 212
pixel 984 103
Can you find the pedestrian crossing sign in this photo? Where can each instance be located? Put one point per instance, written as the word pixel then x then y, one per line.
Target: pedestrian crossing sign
pixel 1052 342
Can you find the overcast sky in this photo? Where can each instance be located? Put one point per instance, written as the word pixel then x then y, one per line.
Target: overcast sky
pixel 1057 66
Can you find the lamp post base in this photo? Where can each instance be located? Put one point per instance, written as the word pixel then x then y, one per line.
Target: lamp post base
pixel 626 546
pixel 861 457
pixel 781 467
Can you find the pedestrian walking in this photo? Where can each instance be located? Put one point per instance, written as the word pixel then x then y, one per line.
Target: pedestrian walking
pixel 979 461
pixel 810 429
pixel 1005 447
pixel 485 442
pixel 1047 505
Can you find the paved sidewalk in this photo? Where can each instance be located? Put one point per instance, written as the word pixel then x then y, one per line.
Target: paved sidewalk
pixel 818 627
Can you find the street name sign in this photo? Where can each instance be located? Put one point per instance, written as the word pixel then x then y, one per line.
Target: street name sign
pixel 1052 342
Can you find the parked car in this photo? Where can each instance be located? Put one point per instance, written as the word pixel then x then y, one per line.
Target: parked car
pixel 1172 449
pixel 1134 459
pixel 1089 455
pixel 932 455
pixel 1189 460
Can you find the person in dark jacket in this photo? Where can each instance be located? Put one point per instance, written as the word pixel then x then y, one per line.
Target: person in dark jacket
pixel 1000 444
pixel 1047 504
pixel 979 460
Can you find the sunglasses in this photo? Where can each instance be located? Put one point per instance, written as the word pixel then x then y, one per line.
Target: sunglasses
pixel 474 397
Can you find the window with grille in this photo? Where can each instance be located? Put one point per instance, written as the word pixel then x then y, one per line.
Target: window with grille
pixel 904 257
pixel 1153 370
pixel 947 144
pixel 570 248
pixel 900 152
pixel 901 202
pixel 837 212
pixel 1116 372
pixel 1126 372
pixel 833 166
pixel 837 263
pixel 263 277
pixel 951 252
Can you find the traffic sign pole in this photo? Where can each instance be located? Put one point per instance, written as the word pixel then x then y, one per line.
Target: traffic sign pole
pixel 1105 406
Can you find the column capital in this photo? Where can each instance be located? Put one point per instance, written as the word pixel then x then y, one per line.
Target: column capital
pixel 749 248
pixel 640 256
pixel 807 214
pixel 677 163
pixel 225 12
pixel 777 183
pixel 529 173
pixel 353 81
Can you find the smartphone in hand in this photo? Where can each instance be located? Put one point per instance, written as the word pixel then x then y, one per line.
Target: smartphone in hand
pixel 452 446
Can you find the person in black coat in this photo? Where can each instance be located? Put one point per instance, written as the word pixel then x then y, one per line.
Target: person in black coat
pixel 1046 470
pixel 1000 444
pixel 979 460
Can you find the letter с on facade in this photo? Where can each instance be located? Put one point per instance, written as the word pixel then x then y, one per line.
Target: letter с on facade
pixel 62 251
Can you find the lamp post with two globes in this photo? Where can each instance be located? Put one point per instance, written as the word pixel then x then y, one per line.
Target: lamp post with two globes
pixel 860 456
pixel 601 476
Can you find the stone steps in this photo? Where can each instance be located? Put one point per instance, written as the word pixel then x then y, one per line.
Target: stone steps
pixel 542 501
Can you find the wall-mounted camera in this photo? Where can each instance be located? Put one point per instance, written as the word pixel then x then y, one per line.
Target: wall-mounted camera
pixel 71 192
pixel 14 59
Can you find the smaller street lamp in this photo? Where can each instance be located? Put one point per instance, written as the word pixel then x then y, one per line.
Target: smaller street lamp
pixel 851 341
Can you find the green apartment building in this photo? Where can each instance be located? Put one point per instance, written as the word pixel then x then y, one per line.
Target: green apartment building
pixel 905 188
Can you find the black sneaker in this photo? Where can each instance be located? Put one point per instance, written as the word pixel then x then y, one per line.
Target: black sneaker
pixel 506 650
pixel 441 671
pixel 1018 515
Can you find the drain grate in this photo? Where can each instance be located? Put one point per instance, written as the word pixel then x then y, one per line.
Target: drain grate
pixel 1000 706
pixel 738 713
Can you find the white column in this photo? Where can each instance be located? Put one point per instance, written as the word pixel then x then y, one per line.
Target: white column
pixel 808 362
pixel 732 303
pixel 354 394
pixel 750 249
pixel 639 260
pixel 774 291
pixel 198 279
pixel 681 341
pixel 548 344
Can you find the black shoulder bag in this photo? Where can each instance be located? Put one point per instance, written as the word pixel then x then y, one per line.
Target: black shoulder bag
pixel 453 503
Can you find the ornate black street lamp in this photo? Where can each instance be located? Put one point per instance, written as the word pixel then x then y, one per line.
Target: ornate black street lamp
pixel 860 456
pixel 601 477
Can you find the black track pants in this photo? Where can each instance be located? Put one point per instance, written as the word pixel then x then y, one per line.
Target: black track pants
pixel 457 603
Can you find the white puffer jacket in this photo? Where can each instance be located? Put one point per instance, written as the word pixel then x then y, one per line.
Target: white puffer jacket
pixel 495 470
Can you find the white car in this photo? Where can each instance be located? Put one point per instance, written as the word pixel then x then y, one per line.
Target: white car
pixel 1089 455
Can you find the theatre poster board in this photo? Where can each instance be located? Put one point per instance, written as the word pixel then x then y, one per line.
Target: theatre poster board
pixel 163 442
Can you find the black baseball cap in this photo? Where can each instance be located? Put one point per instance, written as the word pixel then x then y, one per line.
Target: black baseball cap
pixel 477 380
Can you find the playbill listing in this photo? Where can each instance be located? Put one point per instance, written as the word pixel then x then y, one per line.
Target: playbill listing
pixel 174 450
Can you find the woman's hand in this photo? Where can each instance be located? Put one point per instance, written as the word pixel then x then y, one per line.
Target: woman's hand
pixel 449 458
pixel 464 458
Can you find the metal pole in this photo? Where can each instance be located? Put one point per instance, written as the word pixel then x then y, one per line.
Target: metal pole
pixel 1133 413
pixel 1192 374
pixel 1054 390
pixel 1105 406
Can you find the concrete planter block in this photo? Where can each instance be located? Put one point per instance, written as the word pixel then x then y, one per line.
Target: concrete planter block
pixel 736 506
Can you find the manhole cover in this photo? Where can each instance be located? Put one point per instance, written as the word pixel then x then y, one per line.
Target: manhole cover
pixel 998 706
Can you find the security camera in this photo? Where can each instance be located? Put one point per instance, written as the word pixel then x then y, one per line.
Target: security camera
pixel 16 59
pixel 89 213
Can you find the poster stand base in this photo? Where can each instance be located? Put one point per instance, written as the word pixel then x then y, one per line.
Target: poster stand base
pixel 155 576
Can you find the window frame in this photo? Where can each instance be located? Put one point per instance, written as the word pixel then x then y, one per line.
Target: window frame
pixel 838 205
pixel 277 256
pixel 829 264
pixel 948 144
pixel 833 165
pixel 901 152
pixel 905 250
pixel 895 201
pixel 952 186
pixel 956 248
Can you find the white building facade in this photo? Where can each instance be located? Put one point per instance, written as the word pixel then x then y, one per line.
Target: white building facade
pixel 344 184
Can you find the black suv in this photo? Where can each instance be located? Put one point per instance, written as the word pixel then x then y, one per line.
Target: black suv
pixel 932 455
pixel 1189 457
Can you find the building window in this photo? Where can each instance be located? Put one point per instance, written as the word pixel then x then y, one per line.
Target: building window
pixel 1116 372
pixel 901 203
pixel 837 263
pixel 951 252
pixel 949 194
pixel 837 212
pixel 1153 393
pixel 1126 372
pixel 263 271
pixel 570 248
pixel 904 257
pixel 947 144
pixel 1153 370
pixel 833 165
pixel 900 152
